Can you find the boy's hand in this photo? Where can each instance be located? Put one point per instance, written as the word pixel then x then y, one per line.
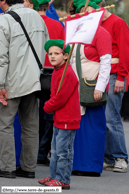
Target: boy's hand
pixel 44 108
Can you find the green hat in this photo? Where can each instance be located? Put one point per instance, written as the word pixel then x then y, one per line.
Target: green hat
pixel 41 2
pixel 35 4
pixel 81 3
pixel 96 1
pixel 57 42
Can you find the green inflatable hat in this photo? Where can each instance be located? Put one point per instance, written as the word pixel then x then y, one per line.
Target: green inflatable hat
pixel 57 42
pixel 79 4
pixel 41 2
pixel 35 4
pixel 96 1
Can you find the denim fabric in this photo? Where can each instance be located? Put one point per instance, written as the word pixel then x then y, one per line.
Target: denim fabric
pixel 61 162
pixel 45 143
pixel 115 138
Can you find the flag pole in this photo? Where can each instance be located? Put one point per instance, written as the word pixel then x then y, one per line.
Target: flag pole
pixel 83 13
pixel 70 54
pixel 66 66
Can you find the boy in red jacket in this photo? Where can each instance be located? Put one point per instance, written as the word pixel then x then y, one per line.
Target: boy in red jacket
pixel 66 108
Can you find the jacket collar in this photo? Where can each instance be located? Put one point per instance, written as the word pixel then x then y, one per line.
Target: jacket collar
pixel 57 68
pixel 14 7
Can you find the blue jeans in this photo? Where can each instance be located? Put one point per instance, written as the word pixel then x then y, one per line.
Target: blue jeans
pixel 61 162
pixel 115 139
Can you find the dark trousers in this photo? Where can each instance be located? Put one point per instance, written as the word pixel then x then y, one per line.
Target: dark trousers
pixel 125 105
pixel 45 132
pixel 45 143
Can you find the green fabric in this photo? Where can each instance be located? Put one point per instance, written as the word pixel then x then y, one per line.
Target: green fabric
pixel 87 94
pixel 41 2
pixel 96 1
pixel 79 4
pixel 35 4
pixel 78 61
pixel 57 42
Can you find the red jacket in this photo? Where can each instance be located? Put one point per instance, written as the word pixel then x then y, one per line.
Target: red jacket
pixel 65 104
pixel 120 44
pixel 55 31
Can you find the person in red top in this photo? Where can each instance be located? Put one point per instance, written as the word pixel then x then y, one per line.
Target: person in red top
pixel 67 117
pixel 56 31
pixel 90 138
pixel 116 157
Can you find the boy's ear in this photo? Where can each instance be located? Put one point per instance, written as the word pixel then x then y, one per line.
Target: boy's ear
pixel 31 6
pixel 66 55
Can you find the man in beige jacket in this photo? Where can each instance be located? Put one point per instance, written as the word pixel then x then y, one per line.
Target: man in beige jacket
pixel 19 79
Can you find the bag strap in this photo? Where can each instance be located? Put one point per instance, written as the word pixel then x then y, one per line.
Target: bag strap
pixel 78 61
pixel 88 83
pixel 18 19
pixel 78 65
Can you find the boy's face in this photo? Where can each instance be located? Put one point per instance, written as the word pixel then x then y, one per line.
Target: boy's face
pixel 55 56
pixel 28 4
pixel 2 5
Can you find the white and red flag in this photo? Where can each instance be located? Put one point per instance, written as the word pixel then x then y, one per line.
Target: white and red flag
pixel 82 29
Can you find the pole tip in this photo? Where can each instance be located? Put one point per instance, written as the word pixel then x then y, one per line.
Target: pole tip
pixel 112 6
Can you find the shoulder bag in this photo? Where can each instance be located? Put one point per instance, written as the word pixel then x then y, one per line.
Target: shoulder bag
pixel 87 87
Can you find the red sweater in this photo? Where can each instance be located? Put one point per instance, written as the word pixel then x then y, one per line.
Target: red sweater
pixel 101 45
pixel 55 31
pixel 120 44
pixel 65 104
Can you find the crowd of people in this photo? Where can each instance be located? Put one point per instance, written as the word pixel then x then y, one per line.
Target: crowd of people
pixel 83 141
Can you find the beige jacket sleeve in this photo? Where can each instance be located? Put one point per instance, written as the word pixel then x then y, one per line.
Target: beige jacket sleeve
pixel 4 60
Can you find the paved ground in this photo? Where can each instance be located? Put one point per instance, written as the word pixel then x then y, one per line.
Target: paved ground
pixel 108 183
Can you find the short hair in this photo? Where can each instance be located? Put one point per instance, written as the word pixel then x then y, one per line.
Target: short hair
pixel 13 2
pixel 43 7
pixel 102 4
pixel 30 1
pixel 71 7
